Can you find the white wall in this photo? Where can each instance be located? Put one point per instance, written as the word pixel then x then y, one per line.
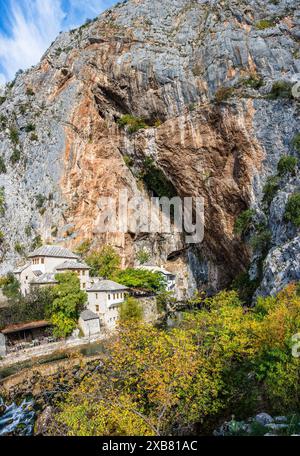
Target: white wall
pixel 90 327
pixel 99 303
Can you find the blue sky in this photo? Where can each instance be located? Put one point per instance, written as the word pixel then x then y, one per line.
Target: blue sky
pixel 28 27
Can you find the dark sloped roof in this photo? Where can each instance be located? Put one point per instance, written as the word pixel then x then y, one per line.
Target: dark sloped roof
pixel 72 265
pixel 53 251
pixel 87 315
pixel 107 285
pixel 23 326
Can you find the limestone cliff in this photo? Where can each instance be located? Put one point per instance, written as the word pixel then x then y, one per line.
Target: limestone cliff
pixel 211 81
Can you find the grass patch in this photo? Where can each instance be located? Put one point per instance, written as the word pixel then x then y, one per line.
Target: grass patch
pixel 265 24
pixel 223 94
pixel 14 135
pixel 131 123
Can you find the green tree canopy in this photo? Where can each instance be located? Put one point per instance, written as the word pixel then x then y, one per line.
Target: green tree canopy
pixel 131 310
pixel 139 278
pixel 104 263
pixel 67 304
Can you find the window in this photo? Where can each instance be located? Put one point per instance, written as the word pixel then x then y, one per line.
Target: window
pixel 83 273
pixel 97 309
pixel 96 295
pixel 109 296
pixel 43 260
pixel 83 285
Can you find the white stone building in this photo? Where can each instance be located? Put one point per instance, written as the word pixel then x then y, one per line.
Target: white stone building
pixel 169 277
pixel 105 298
pixel 89 323
pixel 47 261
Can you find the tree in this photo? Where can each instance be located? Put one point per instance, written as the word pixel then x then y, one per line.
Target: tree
pixel 132 310
pixel 34 306
pixel 68 302
pixel 11 286
pixel 104 263
pixel 292 209
pixel 83 248
pixel 139 278
pixel 164 382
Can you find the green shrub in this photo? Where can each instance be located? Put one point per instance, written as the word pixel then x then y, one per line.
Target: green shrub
pixel 143 256
pixel 128 161
pixel 37 242
pixel 3 121
pixel 243 222
pixel 292 210
pixel 287 165
pixel 34 137
pixel 261 241
pixel 2 100
pixel 132 123
pixel 14 135
pixel 40 200
pixel 30 92
pixel 223 94
pixel 264 24
pixel 270 189
pixel 28 230
pixel 19 248
pixel 29 128
pixel 15 156
pixel 281 89
pixel 2 166
pixel 296 142
pixel 254 82
pixel 2 201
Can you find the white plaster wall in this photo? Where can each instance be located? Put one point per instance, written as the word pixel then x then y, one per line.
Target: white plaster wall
pixel 90 327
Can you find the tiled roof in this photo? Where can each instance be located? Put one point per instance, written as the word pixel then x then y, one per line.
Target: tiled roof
pixel 87 315
pixel 107 285
pixel 21 268
pixel 53 251
pixel 72 265
pixel 48 278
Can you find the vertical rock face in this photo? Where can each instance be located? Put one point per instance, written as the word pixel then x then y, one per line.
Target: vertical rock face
pixel 204 77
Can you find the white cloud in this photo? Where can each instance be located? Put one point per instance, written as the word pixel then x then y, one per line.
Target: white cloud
pixel 31 33
pixel 34 25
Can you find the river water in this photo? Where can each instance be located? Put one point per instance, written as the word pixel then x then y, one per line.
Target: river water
pixel 19 418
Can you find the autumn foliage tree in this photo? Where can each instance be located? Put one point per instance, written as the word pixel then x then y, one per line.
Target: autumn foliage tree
pixel 166 382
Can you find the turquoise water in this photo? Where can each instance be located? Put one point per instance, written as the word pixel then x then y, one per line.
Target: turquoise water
pixel 17 419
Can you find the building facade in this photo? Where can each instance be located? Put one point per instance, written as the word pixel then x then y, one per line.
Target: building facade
pixel 105 298
pixel 47 261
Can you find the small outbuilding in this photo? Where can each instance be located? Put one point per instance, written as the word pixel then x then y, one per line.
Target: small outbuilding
pixel 89 323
